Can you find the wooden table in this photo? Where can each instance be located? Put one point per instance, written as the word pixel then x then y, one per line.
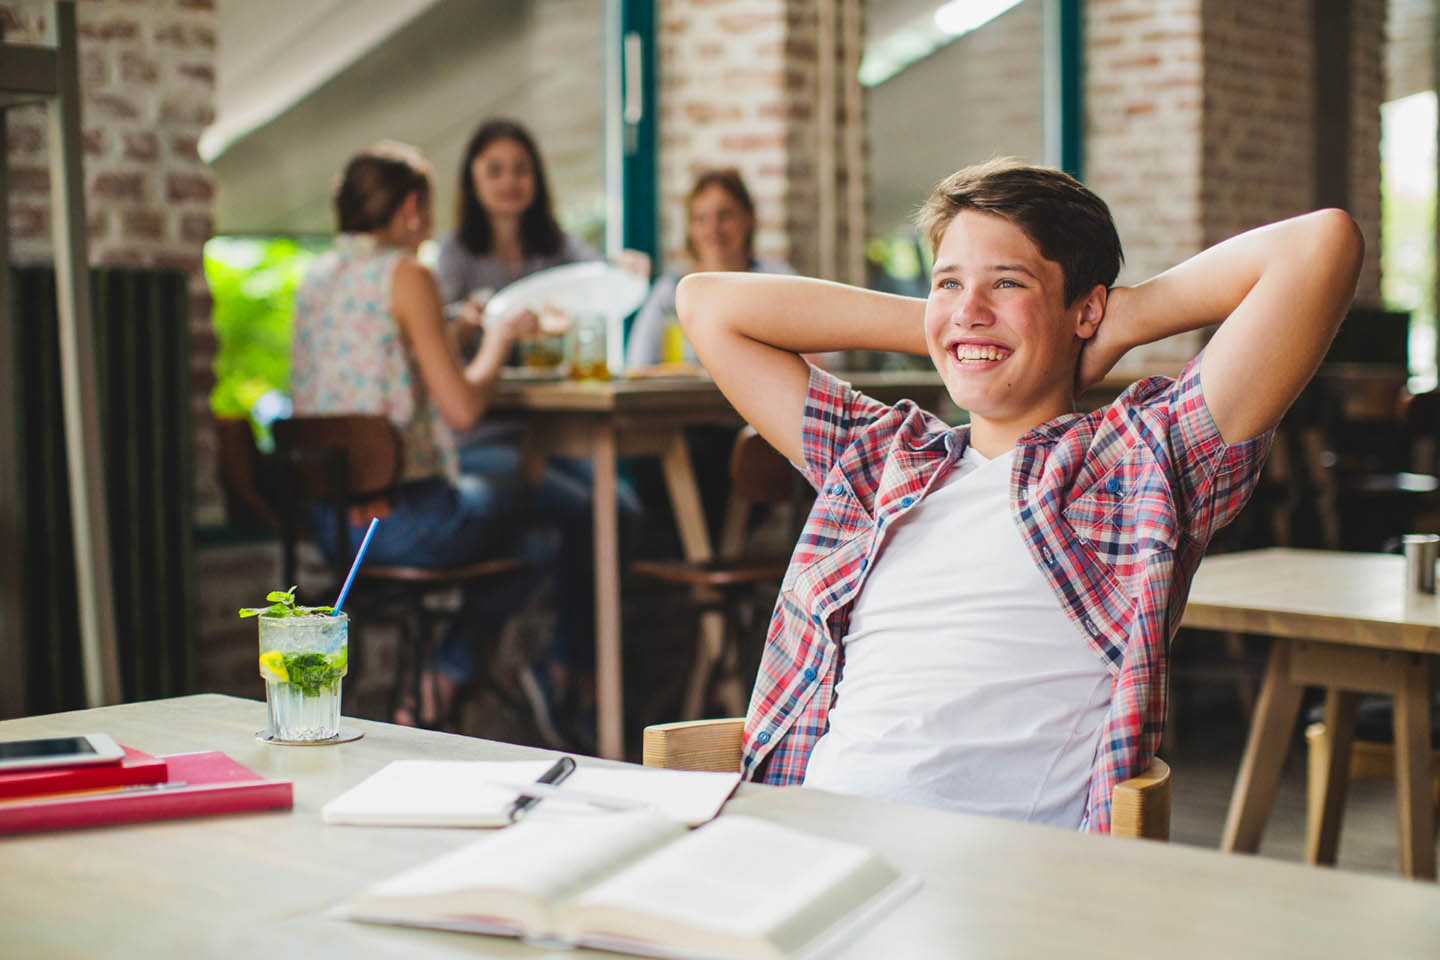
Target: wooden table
pixel 1345 622
pixel 254 885
pixel 602 422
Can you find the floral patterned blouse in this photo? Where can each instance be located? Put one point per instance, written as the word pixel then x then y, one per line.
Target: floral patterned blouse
pixel 349 356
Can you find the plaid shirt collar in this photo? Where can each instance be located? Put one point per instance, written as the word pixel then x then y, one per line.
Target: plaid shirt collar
pixel 1115 506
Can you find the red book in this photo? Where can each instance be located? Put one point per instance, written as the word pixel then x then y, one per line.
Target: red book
pixel 135 767
pixel 199 784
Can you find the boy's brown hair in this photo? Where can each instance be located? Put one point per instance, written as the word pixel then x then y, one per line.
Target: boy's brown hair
pixel 1061 216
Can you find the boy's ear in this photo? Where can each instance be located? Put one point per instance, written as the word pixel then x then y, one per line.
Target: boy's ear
pixel 1092 311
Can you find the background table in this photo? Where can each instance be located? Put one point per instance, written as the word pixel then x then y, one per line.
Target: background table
pixel 254 885
pixel 1345 622
pixel 603 421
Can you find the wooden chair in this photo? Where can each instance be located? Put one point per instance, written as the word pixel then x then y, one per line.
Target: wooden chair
pixel 758 475
pixel 345 460
pixel 1371 751
pixel 1139 807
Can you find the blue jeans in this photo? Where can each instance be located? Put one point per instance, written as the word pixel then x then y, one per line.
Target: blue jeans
pixel 562 511
pixel 436 523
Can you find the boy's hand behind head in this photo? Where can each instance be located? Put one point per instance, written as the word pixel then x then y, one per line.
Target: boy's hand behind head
pixel 1101 352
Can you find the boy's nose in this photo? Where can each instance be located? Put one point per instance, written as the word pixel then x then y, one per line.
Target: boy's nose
pixel 973 310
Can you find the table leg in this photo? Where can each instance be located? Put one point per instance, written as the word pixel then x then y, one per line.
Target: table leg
pixel 1330 778
pixel 1413 806
pixel 609 680
pixel 695 541
pixel 1265 749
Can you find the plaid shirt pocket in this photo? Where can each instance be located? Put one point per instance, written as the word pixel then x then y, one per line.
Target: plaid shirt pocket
pixel 1124 516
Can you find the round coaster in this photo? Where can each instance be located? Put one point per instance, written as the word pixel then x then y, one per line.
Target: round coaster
pixel 346 735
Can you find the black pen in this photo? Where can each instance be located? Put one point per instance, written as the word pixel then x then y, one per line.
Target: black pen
pixel 522 804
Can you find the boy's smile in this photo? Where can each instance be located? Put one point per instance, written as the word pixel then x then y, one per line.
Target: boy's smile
pixel 997 326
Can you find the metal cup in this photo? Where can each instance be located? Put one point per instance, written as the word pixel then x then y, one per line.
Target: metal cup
pixel 1421 552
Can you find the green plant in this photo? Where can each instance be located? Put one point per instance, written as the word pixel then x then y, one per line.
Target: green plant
pixel 282 604
pixel 252 283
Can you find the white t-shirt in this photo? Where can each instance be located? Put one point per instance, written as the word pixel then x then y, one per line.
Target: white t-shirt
pixel 965 686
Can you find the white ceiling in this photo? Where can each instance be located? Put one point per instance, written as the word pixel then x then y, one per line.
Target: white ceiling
pixel 315 88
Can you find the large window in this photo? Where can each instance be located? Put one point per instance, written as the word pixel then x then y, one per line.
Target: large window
pixel 949 84
pixel 1407 237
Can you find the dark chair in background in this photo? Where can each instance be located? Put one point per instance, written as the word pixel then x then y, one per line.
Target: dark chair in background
pixel 731 584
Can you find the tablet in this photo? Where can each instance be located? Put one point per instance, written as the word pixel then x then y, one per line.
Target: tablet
pixel 73 751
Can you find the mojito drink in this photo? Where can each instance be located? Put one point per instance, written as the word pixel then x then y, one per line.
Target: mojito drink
pixel 302 660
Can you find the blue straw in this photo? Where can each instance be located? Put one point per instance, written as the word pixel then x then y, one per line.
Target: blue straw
pixel 359 555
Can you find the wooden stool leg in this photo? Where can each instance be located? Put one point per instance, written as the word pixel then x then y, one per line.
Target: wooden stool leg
pixel 1414 809
pixel 1329 778
pixel 1265 749
pixel 708 651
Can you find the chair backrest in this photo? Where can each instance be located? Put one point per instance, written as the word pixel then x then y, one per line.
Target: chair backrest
pixel 758 475
pixel 758 472
pixel 240 470
pixel 367 445
pixel 334 460
pixel 1139 807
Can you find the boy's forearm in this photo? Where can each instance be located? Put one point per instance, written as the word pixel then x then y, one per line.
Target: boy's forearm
pixel 1207 288
pixel 802 315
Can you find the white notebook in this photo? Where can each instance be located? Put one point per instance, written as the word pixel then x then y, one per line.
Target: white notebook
pixel 466 793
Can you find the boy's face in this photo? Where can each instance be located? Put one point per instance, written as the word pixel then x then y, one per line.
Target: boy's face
pixel 997 325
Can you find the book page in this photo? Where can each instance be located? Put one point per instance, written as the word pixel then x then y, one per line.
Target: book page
pixel 534 861
pixel 736 886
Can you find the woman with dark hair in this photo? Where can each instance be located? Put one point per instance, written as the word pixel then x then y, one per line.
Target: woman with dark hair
pixel 505 230
pixel 719 235
pixel 370 337
pixel 505 226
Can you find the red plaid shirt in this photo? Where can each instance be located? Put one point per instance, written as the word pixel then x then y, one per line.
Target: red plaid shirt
pixel 1116 507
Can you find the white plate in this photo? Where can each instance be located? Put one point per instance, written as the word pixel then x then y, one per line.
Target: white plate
pixel 576 288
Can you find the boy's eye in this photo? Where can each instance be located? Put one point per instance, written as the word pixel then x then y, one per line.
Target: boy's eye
pixel 1007 282
pixel 948 284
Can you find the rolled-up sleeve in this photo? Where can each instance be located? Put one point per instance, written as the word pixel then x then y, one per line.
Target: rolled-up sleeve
pixel 1215 478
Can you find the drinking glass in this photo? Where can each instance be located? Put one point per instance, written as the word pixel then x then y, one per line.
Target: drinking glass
pixel 302 660
pixel 587 348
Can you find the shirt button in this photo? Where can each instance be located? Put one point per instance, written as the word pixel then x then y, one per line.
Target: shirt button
pixel 836 489
pixel 907 501
pixel 1113 484
pixel 1049 557
pixel 810 674
pixel 864 562
pixel 1090 625
pixel 762 737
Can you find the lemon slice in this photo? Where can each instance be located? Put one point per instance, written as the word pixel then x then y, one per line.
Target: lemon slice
pixel 272 666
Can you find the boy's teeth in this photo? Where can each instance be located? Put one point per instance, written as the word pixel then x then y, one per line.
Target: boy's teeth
pixel 965 352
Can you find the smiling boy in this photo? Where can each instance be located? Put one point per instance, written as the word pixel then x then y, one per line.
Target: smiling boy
pixel 977 617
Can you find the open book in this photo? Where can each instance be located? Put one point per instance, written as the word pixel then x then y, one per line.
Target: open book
pixel 638 883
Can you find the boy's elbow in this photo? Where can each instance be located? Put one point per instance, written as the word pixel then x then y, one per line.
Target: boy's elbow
pixel 1342 237
pixel 689 295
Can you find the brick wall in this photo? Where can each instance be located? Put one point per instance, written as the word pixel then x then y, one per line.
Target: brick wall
pixel 1200 124
pixel 1144 114
pixel 1259 120
pixel 1367 92
pixel 1409 48
pixel 147 74
pixel 739 84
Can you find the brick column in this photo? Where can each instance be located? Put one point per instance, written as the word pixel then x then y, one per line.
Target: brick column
pixel 1200 125
pixel 741 84
pixel 147 71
